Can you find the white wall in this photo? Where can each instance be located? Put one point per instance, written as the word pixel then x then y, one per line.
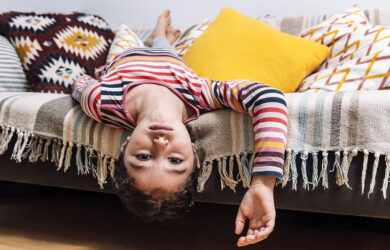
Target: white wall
pixel 143 13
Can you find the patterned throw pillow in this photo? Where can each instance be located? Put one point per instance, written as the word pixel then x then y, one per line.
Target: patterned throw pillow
pixel 189 36
pixel 12 77
pixel 359 56
pixel 55 49
pixel 125 38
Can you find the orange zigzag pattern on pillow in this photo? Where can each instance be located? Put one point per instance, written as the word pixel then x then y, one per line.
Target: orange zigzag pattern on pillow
pixel 359 54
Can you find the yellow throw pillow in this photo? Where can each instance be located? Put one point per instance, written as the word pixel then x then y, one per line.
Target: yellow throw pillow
pixel 235 46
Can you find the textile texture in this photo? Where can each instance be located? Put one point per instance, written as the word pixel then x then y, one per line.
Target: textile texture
pixel 359 56
pixel 12 77
pixel 55 49
pixel 124 39
pixel 50 126
pixel 297 25
pixel 343 122
pixel 189 36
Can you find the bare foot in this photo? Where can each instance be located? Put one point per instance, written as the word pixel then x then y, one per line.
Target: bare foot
pixel 162 26
pixel 173 35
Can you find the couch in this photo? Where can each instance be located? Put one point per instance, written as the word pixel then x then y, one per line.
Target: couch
pixel 53 150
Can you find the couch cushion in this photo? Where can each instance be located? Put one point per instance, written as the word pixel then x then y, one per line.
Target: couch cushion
pixel 235 46
pixel 55 49
pixel 12 77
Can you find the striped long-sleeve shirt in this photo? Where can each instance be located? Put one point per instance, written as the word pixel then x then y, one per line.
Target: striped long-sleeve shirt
pixel 103 99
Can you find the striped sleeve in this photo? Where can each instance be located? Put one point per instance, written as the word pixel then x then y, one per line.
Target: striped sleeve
pixel 268 108
pixel 86 90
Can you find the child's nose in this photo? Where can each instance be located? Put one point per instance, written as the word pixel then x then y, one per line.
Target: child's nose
pixel 160 140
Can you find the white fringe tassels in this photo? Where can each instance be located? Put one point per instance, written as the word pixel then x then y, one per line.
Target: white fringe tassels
pixel 287 166
pixel 324 170
pixel 314 178
pixel 204 175
pixel 294 171
pixel 342 171
pixel 386 177
pixel 373 176
pixel 304 157
pixel 34 147
pixel 6 135
pixel 364 170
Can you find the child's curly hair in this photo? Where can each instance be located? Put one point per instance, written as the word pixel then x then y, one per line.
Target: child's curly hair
pixel 144 205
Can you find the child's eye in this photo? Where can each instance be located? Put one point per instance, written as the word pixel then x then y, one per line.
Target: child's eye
pixel 175 160
pixel 142 157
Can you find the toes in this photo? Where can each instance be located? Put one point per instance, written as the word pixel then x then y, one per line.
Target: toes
pixel 165 14
pixel 168 16
pixel 176 33
pixel 173 35
pixel 165 17
pixel 163 24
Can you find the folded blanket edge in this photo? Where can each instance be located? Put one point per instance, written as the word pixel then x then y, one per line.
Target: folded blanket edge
pixel 34 146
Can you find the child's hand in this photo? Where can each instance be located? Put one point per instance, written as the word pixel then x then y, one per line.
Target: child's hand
pixel 258 206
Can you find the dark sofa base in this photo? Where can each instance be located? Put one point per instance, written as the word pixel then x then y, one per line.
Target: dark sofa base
pixel 335 200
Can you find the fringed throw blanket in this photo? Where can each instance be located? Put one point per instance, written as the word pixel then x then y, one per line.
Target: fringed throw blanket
pixel 52 127
pixel 49 126
pixel 344 122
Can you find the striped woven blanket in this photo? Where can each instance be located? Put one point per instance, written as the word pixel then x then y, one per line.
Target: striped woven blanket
pixel 52 127
pixel 49 126
pixel 345 123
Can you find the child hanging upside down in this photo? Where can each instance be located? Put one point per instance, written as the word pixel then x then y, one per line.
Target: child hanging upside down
pixel 153 92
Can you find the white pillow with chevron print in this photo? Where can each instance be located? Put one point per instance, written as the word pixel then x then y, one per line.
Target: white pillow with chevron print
pixel 359 56
pixel 125 38
pixel 189 36
pixel 12 76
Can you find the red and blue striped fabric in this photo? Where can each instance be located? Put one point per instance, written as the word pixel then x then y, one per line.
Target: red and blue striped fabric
pixel 102 99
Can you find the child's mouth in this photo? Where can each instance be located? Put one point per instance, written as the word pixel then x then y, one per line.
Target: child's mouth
pixel 160 127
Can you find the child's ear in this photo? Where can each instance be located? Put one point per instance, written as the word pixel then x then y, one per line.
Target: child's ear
pixel 196 156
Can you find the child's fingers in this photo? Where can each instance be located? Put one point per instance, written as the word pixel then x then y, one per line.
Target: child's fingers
pixel 252 239
pixel 246 240
pixel 263 232
pixel 241 242
pixel 255 235
pixel 240 222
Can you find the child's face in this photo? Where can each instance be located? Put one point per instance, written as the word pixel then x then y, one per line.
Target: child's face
pixel 159 158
